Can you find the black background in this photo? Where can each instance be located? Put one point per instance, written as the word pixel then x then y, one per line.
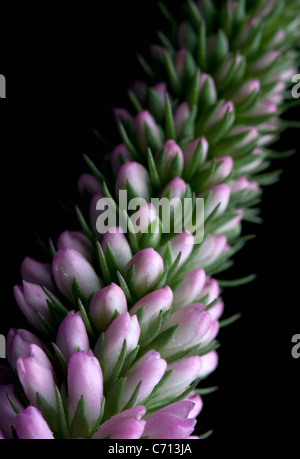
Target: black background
pixel 65 71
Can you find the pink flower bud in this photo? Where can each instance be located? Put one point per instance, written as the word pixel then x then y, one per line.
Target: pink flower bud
pixel 37 273
pixel 194 322
pixel 123 116
pixel 210 291
pixel 142 119
pixel 122 328
pixel 105 303
pixel 32 299
pixel 178 187
pixel 219 114
pixel 209 364
pixel 168 152
pixel 149 267
pixel 161 89
pixel 253 164
pixel 127 425
pixel 189 289
pixel 181 243
pixel 197 400
pixel 119 247
pixel 184 372
pixel 224 168
pixel 208 81
pixel 181 116
pixel 137 176
pixel 216 311
pixel 119 153
pixel 30 425
pixel 246 90
pixel 72 335
pixel 210 334
pixel 262 63
pixel 7 414
pixel 85 380
pixel 154 303
pixel 264 107
pixel 180 62
pixel 211 249
pixel 88 183
pixel 218 195
pixel 78 241
pixel 233 224
pixel 170 422
pixel 68 265
pixel 190 148
pixel 143 218
pixel 18 345
pixel 242 183
pixel 36 376
pixel 149 369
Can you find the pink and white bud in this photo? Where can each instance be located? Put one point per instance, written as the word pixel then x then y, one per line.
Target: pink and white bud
pixel 210 334
pixel 7 413
pixel 154 303
pixel 181 116
pixel 210 291
pixel 194 322
pixel 31 300
pixel 37 273
pixel 223 170
pixel 142 119
pixel 242 183
pixel 245 91
pixel 184 372
pixel 37 376
pixel 190 149
pixel 218 195
pixel 168 152
pixel 253 164
pixel 119 155
pixel 197 400
pixel 264 107
pixel 88 183
pixel 127 425
pixel 137 176
pixel 219 114
pixel 30 425
pixel 149 267
pixel 148 370
pixel 232 224
pixel 105 303
pixel 264 62
pixel 181 243
pixel 85 380
pixel 171 422
pixel 123 328
pixel 123 116
pixel 178 188
pixel 189 289
pixel 119 246
pixel 226 67
pixel 161 89
pixel 72 335
pixel 209 364
pixel 143 218
pixel 211 249
pixel 68 265
pixel 217 310
pixel 208 81
pixel 18 345
pixel 78 241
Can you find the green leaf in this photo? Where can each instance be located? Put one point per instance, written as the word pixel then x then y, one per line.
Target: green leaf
pixel 93 168
pixel 170 125
pixel 146 67
pixel 103 264
pixel 85 227
pixel 60 358
pixel 125 287
pixel 129 360
pixel 48 412
pixel 131 402
pixel 62 417
pixel 118 367
pixel 153 170
pixel 112 405
pixel 80 424
pixel 236 282
pixel 230 320
pixel 172 74
pixel 206 390
pixel 85 319
pixel 128 143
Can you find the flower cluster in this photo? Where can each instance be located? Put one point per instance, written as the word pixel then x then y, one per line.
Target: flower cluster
pixel 123 325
